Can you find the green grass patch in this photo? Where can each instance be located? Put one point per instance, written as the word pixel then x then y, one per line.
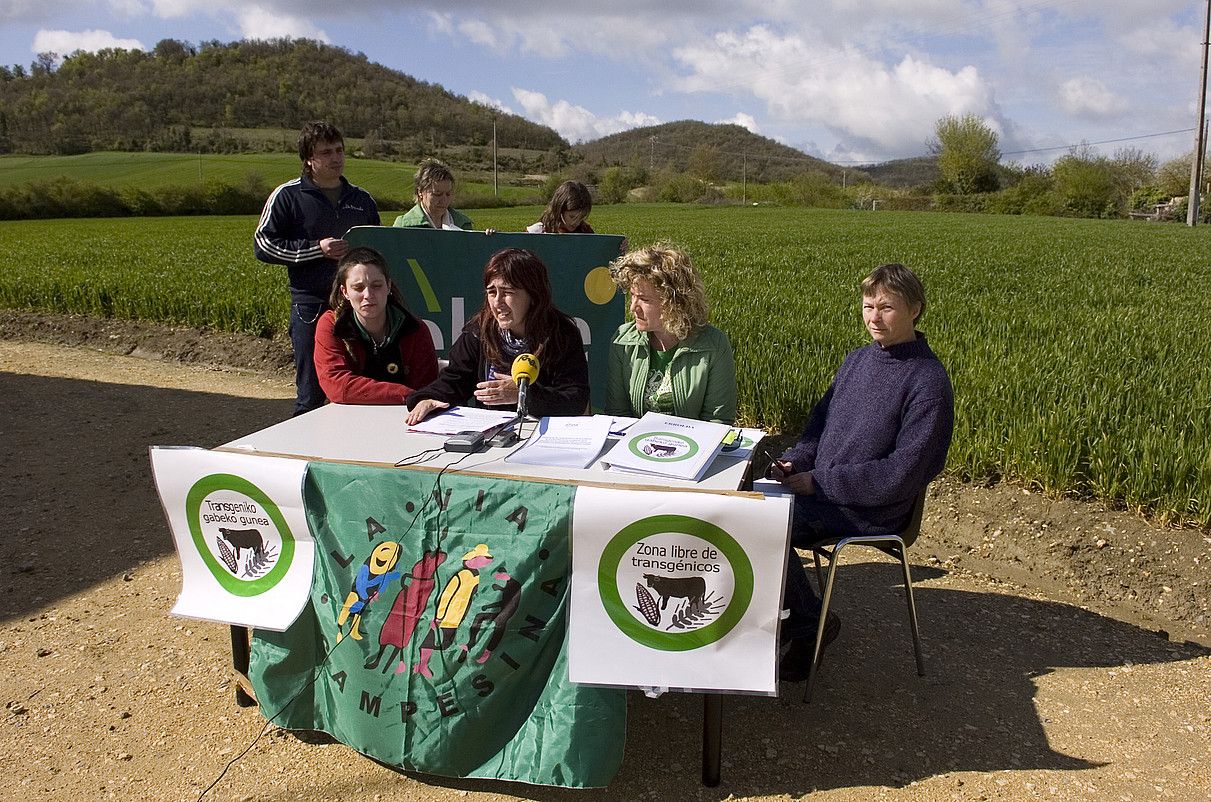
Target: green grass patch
pixel 149 171
pixel 1075 346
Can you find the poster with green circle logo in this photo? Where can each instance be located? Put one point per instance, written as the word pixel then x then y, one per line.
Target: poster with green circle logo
pixel 677 589
pixel 241 535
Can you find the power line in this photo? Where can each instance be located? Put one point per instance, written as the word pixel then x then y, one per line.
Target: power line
pixel 1101 142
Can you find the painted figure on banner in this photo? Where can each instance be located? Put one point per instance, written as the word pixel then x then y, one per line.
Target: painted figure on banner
pixel 452 606
pixel 495 614
pixel 407 610
pixel 372 578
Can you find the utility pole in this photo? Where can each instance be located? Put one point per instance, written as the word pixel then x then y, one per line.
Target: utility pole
pixel 495 190
pixel 1196 163
pixel 744 180
pixel 652 147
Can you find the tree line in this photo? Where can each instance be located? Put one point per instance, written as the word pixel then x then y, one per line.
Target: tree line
pixel 253 95
pixel 1081 183
pixel 131 100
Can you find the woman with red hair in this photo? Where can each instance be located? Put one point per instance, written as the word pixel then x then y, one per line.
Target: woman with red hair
pixel 517 317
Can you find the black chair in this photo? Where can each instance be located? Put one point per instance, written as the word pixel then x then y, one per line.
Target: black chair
pixel 897 546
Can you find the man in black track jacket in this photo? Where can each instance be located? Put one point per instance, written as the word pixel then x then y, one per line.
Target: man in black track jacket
pixel 303 227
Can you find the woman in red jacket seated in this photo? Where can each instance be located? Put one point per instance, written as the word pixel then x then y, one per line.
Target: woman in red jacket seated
pixel 369 349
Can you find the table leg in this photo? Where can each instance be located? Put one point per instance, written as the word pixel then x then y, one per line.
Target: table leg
pixel 712 737
pixel 241 653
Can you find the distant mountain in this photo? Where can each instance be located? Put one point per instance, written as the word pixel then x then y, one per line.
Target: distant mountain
pixel 153 100
pixel 729 151
pixel 905 173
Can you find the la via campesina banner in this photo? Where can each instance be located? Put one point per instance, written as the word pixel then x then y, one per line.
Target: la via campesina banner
pixel 434 638
pixel 677 590
pixel 238 525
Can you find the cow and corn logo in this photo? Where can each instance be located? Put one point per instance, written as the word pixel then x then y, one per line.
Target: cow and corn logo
pixel 663 447
pixel 239 533
pixel 674 582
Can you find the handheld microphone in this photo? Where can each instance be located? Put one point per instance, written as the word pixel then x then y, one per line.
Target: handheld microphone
pixel 525 372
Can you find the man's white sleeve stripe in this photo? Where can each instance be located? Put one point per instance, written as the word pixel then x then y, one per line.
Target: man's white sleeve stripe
pixel 268 246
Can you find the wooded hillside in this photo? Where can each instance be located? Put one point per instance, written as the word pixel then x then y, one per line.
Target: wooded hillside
pixel 715 152
pixel 154 100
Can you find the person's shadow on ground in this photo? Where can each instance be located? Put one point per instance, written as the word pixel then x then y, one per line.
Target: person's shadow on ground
pixel 77 485
pixel 873 721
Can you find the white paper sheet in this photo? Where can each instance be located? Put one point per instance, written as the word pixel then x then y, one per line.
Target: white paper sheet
pixel 566 442
pixel 462 419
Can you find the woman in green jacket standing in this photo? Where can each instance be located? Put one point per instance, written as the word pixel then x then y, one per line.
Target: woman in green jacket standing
pixel 434 190
pixel 668 358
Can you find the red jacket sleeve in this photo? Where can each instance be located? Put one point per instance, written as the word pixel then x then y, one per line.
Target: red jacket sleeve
pixel 339 371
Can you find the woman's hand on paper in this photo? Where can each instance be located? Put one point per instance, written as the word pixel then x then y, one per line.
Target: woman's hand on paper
pixel 423 409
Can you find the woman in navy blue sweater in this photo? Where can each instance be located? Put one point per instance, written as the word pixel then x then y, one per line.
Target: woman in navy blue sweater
pixel 872 443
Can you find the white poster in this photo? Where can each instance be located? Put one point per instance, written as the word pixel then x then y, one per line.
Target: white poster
pixel 240 532
pixel 677 590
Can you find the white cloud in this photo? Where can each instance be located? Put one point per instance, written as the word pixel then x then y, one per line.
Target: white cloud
pixel 558 33
pixel 258 22
pixel 576 123
pixel 496 103
pixel 811 83
pixel 442 23
pixel 744 121
pixel 128 8
pixel 1090 98
pixel 480 33
pixel 67 42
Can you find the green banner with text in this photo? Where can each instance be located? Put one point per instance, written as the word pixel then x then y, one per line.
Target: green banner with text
pixel 435 635
pixel 441 276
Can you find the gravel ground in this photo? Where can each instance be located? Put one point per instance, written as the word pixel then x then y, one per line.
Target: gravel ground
pixel 1066 643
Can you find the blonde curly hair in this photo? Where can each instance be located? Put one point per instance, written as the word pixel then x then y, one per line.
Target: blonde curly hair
pixel 672 275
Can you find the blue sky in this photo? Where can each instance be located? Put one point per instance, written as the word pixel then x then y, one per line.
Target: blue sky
pixel 847 81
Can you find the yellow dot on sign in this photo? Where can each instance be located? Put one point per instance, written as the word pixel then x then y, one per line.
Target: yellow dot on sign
pixel 599 285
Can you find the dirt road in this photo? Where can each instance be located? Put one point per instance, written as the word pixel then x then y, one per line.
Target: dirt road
pixel 1028 694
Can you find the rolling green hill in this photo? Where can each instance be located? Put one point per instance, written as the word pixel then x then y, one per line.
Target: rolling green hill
pixel 714 152
pixel 157 100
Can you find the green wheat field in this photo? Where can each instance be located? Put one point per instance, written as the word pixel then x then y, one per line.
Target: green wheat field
pixel 1076 347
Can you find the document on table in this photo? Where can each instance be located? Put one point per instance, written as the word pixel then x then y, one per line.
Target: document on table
pixel 571 442
pixel 666 445
pixel 462 419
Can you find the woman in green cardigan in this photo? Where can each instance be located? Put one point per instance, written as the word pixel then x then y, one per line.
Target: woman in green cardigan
pixel 434 190
pixel 668 358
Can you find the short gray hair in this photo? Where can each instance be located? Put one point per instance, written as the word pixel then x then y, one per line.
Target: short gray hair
pixel 897 279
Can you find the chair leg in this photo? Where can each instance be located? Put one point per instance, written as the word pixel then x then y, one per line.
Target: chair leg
pixel 819 575
pixel 912 612
pixel 825 600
